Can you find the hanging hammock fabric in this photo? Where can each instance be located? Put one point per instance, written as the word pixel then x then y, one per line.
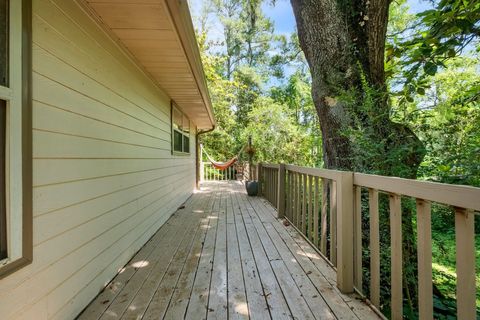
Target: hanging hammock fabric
pixel 222 165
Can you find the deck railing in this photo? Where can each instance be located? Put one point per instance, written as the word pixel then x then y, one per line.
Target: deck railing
pixel 209 173
pixel 326 207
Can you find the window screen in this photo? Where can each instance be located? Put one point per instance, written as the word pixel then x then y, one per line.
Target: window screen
pixel 186 144
pixel 177 119
pixel 180 131
pixel 177 141
pixel 4 47
pixel 186 124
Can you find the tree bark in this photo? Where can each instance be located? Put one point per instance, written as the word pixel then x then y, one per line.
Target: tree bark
pixel 344 44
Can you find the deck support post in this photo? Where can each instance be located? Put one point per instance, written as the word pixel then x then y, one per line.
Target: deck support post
pixel 345 239
pixel 260 178
pixel 281 191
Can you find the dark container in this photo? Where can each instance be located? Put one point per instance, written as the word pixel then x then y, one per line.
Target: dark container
pixel 252 188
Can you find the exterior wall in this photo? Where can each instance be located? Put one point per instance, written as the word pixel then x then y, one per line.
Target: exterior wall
pixel 104 177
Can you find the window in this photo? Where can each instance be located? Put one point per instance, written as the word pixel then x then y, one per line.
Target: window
pixel 180 131
pixel 15 136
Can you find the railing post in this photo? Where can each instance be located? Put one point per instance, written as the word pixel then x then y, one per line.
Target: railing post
pixel 281 191
pixel 345 205
pixel 260 178
pixel 202 171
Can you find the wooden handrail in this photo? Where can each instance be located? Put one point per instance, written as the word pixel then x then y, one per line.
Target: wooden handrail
pixel 270 165
pixel 325 206
pixel 448 194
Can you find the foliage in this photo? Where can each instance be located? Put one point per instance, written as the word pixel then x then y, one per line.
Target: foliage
pixel 446 118
pixel 239 67
pixel 443 268
pixel 426 42
pixel 281 139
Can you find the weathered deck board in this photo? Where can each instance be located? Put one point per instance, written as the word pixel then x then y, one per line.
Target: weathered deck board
pixel 225 256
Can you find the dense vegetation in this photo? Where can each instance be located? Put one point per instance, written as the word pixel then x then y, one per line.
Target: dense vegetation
pixel 260 84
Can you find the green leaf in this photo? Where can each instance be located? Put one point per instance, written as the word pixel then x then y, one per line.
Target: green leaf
pixel 430 68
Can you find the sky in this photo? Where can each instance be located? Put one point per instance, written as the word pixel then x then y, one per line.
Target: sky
pixel 284 23
pixel 282 14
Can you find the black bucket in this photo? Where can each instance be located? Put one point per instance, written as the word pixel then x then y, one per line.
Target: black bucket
pixel 252 188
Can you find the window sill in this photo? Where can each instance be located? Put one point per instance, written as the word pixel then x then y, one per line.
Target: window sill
pixel 179 153
pixel 8 267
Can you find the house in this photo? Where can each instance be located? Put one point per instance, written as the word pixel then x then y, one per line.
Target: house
pixel 101 105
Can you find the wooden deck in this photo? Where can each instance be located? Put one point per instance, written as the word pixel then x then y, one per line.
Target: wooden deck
pixel 225 256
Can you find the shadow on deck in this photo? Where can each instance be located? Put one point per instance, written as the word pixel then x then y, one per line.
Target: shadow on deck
pixel 225 256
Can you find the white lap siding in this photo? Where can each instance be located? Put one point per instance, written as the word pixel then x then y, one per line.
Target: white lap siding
pixel 103 174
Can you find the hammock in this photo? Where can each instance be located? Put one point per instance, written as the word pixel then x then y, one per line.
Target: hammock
pixel 222 165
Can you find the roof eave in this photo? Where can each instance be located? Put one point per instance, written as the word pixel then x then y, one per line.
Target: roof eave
pixel 182 20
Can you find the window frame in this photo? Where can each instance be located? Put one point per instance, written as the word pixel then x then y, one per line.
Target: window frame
pixel 184 133
pixel 18 174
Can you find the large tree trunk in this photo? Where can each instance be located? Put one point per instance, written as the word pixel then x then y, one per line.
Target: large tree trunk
pixel 344 43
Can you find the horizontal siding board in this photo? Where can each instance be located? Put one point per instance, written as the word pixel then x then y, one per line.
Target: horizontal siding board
pixel 81 102
pixel 58 171
pixel 77 125
pixel 104 176
pixel 55 145
pixel 46 199
pixel 60 222
pixel 87 210
pixel 81 50
pixel 73 238
pixel 97 253
pixel 75 284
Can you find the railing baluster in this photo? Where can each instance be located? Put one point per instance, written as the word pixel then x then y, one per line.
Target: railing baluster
pixel 323 224
pixel 304 204
pixel 272 177
pixel 345 232
pixel 287 194
pixel 277 195
pixel 374 248
pixel 424 243
pixel 268 185
pixel 396 256
pixel 358 238
pixel 281 190
pixel 272 188
pixel 310 208
pixel 298 224
pixel 315 214
pixel 292 196
pixel 465 255
pixel 333 222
